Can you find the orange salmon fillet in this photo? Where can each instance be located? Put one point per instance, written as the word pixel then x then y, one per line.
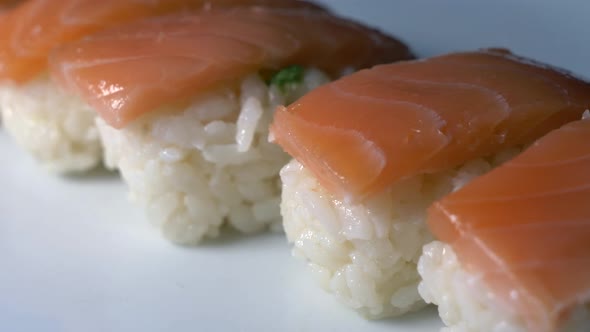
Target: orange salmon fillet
pixel 363 133
pixel 129 71
pixel 31 30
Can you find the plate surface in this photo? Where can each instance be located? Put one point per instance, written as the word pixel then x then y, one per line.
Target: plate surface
pixel 75 256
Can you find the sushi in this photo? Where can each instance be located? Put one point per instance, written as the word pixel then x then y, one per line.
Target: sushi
pixel 56 128
pixel 185 102
pixel 513 245
pixel 374 149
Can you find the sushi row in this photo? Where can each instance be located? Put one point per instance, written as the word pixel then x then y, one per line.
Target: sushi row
pixel 456 180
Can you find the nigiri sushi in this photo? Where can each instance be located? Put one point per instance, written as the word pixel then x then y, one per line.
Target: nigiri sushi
pixel 56 128
pixel 374 149
pixel 185 103
pixel 514 244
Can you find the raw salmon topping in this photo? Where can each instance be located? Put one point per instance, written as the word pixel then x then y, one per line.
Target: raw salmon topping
pixel 129 71
pixel 363 133
pixel 31 30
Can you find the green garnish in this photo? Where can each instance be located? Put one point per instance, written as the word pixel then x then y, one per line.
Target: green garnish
pixel 288 76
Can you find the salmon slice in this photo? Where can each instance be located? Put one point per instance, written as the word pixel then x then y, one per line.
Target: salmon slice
pixel 32 29
pixel 7 4
pixel 365 132
pixel 129 71
pixel 525 227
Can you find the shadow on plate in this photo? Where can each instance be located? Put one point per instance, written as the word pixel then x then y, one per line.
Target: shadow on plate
pixel 229 237
pixel 429 313
pixel 99 173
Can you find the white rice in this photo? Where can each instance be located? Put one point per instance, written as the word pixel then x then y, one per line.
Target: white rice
pixel 366 254
pixel 56 128
pixel 464 302
pixel 196 169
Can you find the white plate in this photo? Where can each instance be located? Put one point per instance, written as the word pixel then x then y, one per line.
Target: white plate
pixel 74 256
